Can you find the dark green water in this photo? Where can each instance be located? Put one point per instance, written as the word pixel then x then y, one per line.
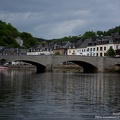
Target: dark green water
pixel 59 96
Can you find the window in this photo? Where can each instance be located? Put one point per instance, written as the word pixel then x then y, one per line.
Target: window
pixel 101 48
pixel 69 51
pixel 100 54
pixel 97 48
pixel 104 48
pixel 116 46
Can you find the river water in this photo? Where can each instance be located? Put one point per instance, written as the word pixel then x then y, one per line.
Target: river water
pixel 59 96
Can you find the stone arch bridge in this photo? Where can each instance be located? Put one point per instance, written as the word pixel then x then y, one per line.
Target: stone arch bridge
pixel 43 63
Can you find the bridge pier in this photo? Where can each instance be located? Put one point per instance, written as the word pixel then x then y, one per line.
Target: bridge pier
pixel 100 61
pixel 49 67
pixel 40 69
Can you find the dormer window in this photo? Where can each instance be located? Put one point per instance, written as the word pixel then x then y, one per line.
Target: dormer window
pixel 89 44
pixel 110 41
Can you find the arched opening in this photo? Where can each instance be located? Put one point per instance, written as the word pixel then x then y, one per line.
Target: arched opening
pixel 2 61
pixel 87 67
pixel 39 67
pixel 84 66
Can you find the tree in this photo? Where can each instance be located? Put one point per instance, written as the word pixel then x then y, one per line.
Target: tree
pixel 100 33
pixel 110 52
pixel 28 39
pixel 57 53
pixel 89 34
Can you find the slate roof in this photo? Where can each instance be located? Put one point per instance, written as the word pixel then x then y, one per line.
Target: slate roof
pixel 64 44
pixel 85 43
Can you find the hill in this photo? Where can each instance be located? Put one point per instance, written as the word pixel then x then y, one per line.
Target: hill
pixel 8 33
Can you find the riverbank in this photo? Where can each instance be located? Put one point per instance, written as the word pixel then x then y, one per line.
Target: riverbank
pixel 113 69
pixel 72 68
pixel 59 67
pixel 23 67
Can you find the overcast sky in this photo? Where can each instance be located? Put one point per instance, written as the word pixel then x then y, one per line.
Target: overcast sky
pixel 59 18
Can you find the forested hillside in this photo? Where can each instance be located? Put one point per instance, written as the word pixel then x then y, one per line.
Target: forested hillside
pixel 8 33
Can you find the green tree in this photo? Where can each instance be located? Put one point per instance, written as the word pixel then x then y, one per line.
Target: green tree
pixel 100 33
pixel 111 52
pixel 28 39
pixel 57 53
pixel 89 34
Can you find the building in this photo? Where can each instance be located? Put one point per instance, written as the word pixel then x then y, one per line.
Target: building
pixel 41 50
pixel 71 50
pixel 86 47
pixel 98 47
pixel 104 44
pixel 19 41
pixel 60 48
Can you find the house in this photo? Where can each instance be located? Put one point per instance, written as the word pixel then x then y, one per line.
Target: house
pixel 19 41
pixel 105 43
pixel 86 47
pixel 60 48
pixel 60 51
pixel 71 50
pixel 99 46
pixel 91 47
pixel 41 50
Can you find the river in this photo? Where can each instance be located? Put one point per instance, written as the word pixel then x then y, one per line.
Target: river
pixel 59 96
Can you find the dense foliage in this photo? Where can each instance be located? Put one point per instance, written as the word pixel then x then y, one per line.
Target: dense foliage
pixel 8 34
pixel 110 52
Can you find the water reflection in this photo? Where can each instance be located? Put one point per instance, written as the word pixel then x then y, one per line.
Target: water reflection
pixel 58 96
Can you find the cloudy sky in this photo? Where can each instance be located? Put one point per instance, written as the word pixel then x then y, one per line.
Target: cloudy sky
pixel 59 18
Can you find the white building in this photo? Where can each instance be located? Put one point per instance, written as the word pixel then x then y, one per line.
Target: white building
pixel 19 41
pixel 86 48
pixel 103 46
pixel 39 53
pixel 91 51
pixel 71 51
pixel 81 51
pixel 101 50
pixel 99 47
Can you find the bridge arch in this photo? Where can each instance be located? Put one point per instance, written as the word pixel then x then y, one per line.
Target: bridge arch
pixel 39 67
pixel 2 61
pixel 87 67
